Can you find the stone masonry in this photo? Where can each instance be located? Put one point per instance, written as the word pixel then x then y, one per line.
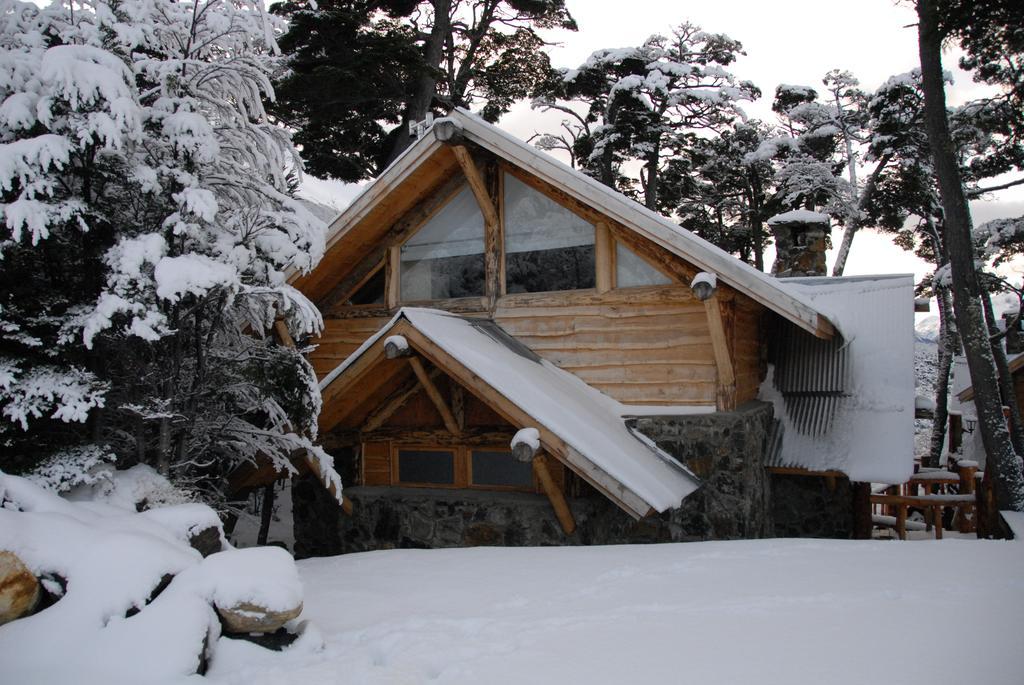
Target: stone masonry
pixel 726 450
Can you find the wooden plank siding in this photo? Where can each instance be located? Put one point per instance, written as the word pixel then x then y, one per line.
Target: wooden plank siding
pixel 638 345
pixel 748 353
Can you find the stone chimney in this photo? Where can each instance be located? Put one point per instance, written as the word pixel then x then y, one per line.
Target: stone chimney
pixel 800 239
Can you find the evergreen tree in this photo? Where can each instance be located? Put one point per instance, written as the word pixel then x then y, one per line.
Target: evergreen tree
pixel 148 235
pixel 645 103
pixel 359 71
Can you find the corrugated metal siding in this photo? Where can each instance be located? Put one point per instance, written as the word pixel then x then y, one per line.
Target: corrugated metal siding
pixel 813 377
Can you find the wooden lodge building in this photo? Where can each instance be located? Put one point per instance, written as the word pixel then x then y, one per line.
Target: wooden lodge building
pixel 515 354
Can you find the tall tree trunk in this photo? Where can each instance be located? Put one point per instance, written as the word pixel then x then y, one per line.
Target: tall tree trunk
pixel 854 222
pixel 266 514
pixel 652 164
pixel 756 222
pixel 947 346
pixel 1001 461
pixel 1005 377
pixel 426 84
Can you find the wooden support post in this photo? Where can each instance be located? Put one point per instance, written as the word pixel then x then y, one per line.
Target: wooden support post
pixel 967 515
pixel 458 404
pixel 937 520
pixel 726 399
pixel 862 524
pixel 492 231
pixel 393 277
pixel 561 507
pixel 901 521
pixel 428 384
pixel 604 258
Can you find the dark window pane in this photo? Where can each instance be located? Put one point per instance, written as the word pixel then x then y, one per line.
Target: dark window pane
pixel 547 247
pixel 538 271
pixel 461 276
pixel 499 468
pixel 422 466
pixel 372 292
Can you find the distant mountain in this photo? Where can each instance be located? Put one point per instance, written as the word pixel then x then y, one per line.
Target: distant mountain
pixel 927 330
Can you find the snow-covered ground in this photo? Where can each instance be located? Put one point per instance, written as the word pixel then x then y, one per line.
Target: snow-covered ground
pixel 760 612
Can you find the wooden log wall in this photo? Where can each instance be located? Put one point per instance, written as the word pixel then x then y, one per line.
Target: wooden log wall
pixel 638 345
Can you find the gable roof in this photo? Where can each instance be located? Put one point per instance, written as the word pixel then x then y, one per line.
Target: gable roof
pixel 1015 364
pixel 578 424
pixel 424 158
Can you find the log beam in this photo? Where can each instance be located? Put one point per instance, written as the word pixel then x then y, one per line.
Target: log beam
pixel 435 396
pixel 492 222
pixel 726 395
pixel 604 258
pixel 557 498
pixel 398 400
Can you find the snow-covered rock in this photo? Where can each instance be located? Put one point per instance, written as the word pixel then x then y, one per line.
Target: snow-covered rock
pixel 19 589
pixel 140 602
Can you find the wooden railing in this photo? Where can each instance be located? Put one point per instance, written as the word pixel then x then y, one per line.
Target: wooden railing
pixel 937 485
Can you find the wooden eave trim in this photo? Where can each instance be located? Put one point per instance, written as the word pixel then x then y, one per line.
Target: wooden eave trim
pixel 621 210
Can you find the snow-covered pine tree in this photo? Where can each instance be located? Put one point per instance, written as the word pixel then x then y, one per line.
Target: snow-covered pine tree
pixel 644 102
pixel 148 232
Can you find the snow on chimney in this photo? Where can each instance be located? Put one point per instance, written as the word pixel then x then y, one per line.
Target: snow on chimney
pixel 800 238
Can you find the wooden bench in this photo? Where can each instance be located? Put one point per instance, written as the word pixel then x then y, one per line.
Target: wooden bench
pixel 899 499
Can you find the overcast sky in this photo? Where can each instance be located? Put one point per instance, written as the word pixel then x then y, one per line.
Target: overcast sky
pixel 786 41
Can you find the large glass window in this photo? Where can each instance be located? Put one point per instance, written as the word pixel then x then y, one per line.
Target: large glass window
pixel 500 469
pixel 547 247
pixel 431 467
pixel 445 258
pixel 632 270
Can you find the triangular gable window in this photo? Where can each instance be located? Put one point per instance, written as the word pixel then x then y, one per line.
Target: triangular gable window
pixel 445 258
pixel 547 247
pixel 370 292
pixel 631 270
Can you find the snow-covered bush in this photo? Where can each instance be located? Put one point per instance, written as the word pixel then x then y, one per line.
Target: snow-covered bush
pixel 130 600
pixel 148 230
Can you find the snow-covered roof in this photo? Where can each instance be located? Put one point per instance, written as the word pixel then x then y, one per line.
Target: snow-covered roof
pixel 963 390
pixel 563 407
pixel 870 433
pixel 769 291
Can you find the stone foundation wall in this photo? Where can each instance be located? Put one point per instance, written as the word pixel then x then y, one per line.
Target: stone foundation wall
pixel 726 450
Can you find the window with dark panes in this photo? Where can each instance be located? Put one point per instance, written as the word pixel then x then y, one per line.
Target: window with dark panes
pixel 432 467
pixel 547 247
pixel 371 292
pixel 499 468
pixel 445 258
